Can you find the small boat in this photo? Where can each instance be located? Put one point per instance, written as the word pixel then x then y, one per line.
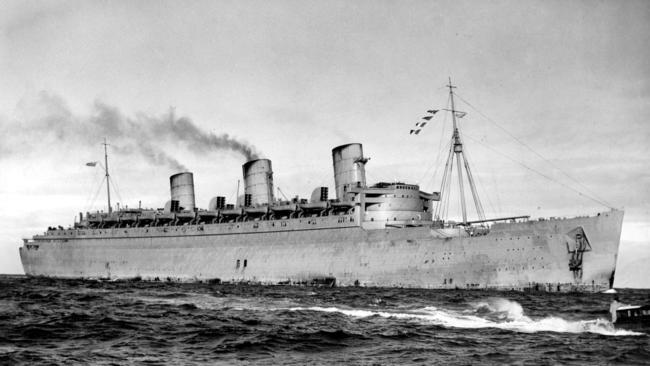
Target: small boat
pixel 632 317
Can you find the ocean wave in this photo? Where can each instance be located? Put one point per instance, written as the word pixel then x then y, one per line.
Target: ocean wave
pixel 60 322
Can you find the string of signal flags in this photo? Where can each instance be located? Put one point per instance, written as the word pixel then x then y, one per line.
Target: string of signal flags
pixel 420 125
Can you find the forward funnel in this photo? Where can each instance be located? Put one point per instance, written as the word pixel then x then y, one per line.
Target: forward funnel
pixel 258 182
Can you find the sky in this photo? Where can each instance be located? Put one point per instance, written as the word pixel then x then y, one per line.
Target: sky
pixel 557 95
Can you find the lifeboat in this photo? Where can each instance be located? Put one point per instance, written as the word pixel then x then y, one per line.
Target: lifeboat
pixel 208 216
pixel 164 218
pixel 185 217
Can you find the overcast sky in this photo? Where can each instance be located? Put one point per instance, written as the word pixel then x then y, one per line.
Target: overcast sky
pixel 289 80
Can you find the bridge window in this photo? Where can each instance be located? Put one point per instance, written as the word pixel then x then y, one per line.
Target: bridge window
pixel 237 265
pixel 245 263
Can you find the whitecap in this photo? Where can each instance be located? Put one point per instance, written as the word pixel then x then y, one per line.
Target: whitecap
pixel 509 316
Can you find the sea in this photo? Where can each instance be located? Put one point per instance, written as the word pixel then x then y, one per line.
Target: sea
pixel 74 322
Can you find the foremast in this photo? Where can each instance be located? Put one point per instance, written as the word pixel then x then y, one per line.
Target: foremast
pixel 456 152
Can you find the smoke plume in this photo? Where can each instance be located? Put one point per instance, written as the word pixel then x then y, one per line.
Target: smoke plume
pixel 184 130
pixel 47 119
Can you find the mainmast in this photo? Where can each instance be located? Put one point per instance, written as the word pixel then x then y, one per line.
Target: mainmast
pixel 108 188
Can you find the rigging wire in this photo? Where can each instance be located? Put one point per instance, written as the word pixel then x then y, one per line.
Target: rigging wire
pixel 472 181
pixel 443 206
pixel 441 148
pixel 593 196
pixel 438 164
pixel 477 203
pixel 535 171
pixel 90 199
pixel 478 180
pixel 116 189
pixel 460 197
pixel 92 203
pixel 440 211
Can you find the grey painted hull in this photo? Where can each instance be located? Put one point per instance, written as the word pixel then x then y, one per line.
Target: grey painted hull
pixel 532 254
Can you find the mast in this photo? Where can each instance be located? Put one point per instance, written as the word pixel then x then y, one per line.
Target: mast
pixel 458 151
pixel 108 187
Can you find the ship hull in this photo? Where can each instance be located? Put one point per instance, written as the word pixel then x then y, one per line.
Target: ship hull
pixel 523 255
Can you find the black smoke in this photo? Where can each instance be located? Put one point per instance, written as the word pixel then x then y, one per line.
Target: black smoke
pixel 47 119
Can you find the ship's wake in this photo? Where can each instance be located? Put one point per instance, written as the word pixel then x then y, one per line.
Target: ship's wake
pixel 495 313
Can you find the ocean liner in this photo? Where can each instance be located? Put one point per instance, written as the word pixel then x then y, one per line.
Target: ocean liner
pixel 384 234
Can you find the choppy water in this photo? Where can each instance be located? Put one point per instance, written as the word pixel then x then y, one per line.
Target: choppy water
pixel 76 322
